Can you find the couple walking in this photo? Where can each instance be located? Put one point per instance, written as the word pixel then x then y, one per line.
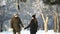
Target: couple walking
pixel 16 24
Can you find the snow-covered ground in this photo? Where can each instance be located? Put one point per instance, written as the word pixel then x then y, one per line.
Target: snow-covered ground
pixel 27 32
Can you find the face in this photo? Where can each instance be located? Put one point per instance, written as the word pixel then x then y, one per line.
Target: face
pixel 15 15
pixel 32 17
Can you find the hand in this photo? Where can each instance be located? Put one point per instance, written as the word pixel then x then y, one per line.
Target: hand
pixel 10 29
pixel 24 28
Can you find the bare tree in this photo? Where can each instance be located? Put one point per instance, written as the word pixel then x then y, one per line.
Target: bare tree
pixel 55 22
pixel 38 7
pixel 18 4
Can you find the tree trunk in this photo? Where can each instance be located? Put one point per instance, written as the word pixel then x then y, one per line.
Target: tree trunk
pixel 46 24
pixel 55 23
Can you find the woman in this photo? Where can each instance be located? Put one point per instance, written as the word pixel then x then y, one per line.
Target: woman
pixel 33 25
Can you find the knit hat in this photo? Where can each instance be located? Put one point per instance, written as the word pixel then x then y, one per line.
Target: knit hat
pixel 33 15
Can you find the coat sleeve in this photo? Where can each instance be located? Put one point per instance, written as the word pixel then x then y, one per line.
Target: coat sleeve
pixel 11 23
pixel 37 24
pixel 28 25
pixel 20 22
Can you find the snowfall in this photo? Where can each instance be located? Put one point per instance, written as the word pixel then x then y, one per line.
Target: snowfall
pixel 28 32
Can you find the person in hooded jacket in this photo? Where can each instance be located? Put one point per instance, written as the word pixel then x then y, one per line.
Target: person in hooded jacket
pixel 33 25
pixel 16 24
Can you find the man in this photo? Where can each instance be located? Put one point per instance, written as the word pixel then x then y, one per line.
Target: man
pixel 33 25
pixel 16 24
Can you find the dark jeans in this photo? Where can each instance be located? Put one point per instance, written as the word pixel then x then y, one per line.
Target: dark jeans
pixel 32 32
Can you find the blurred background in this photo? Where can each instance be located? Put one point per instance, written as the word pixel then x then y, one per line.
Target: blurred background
pixel 27 9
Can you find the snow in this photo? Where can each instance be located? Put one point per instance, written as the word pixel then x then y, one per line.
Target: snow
pixel 28 32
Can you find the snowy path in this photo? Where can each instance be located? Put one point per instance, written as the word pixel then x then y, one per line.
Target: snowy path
pixel 27 32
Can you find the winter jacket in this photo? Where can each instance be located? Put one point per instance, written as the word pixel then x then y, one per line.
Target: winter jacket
pixel 16 24
pixel 33 26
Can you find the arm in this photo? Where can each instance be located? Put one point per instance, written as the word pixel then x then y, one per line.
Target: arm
pixel 28 25
pixel 37 25
pixel 20 22
pixel 11 23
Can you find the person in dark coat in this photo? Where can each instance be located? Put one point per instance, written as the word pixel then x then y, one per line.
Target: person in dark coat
pixel 33 25
pixel 16 24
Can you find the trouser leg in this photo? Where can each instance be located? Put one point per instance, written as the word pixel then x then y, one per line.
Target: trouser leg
pixel 18 32
pixel 14 32
pixel 32 33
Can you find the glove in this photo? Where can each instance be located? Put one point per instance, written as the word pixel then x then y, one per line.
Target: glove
pixel 24 28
